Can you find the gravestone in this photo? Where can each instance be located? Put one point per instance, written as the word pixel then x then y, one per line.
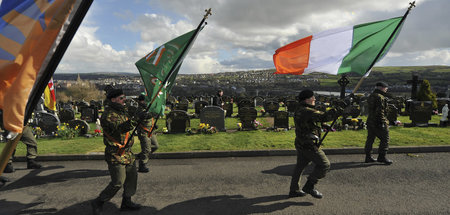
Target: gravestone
pixel 248 116
pixel 182 105
pixel 364 107
pixel 281 119
pixel 65 115
pixel 392 113
pixel 177 121
pixel 420 113
pixel 258 101
pixel 245 102
pixel 199 105
pixel 89 114
pixel 270 106
pixel 292 105
pixel 47 122
pixel 228 107
pixel 414 82
pixel 66 105
pixel 214 116
pixel 80 125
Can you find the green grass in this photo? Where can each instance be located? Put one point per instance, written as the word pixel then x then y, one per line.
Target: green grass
pixel 245 140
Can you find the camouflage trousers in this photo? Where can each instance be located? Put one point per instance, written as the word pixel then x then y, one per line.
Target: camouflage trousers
pixel 30 142
pixel 148 145
pixel 304 158
pixel 381 133
pixel 122 175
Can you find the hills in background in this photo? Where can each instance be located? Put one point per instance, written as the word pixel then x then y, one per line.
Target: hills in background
pixel 265 83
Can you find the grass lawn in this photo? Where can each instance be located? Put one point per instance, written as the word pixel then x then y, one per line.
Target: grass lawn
pixel 245 140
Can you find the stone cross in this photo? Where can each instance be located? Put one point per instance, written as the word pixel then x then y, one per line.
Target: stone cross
pixel 415 81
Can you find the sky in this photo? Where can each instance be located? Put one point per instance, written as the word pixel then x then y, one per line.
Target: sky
pixel 244 34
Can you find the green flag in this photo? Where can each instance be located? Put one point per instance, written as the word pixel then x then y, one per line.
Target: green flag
pixel 156 66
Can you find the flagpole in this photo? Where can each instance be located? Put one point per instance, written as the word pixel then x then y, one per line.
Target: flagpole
pixel 411 5
pixel 208 12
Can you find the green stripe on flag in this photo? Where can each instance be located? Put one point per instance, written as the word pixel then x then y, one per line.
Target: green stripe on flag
pixel 368 40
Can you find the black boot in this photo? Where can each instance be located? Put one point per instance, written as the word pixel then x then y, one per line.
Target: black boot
pixel 309 188
pixel 382 159
pixel 142 167
pixel 296 193
pixel 32 164
pixel 128 205
pixel 9 168
pixel 369 158
pixel 97 206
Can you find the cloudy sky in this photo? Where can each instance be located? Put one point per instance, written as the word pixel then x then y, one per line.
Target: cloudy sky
pixel 244 34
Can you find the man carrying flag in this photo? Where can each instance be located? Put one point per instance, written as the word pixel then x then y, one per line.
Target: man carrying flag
pixel 337 51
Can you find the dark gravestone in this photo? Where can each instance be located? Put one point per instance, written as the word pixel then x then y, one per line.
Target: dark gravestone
pixel 392 113
pixel 258 100
pixel 214 116
pixel 182 105
pixel 292 105
pixel 247 116
pixel 270 106
pixel 364 108
pixel 89 114
pixel 354 111
pixel 199 105
pixel 420 113
pixel 65 115
pixel 47 122
pixel 414 82
pixel 281 119
pixel 177 121
pixel 80 125
pixel 66 106
pixel 228 107
pixel 246 103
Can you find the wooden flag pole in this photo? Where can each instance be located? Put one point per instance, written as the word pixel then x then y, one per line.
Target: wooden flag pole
pixel 8 151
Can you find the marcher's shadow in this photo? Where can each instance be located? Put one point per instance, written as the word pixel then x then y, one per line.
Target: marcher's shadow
pixel 231 204
pixel 286 170
pixel 34 179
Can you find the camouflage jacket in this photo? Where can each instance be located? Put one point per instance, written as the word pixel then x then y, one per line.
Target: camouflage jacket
pixel 117 129
pixel 378 105
pixel 308 126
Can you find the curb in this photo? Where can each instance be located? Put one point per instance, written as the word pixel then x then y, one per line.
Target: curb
pixel 252 153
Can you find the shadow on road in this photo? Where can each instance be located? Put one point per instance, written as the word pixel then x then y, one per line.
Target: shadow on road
pixel 286 170
pixel 34 179
pixel 225 204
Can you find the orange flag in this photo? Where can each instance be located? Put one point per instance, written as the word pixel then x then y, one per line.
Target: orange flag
pixel 27 41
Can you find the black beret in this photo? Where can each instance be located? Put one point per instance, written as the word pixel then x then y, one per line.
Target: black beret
pixel 114 93
pixel 381 84
pixel 305 94
pixel 141 97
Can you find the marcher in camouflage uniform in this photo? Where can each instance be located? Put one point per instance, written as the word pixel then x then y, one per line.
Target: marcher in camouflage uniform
pixel 308 125
pixel 378 124
pixel 116 126
pixel 149 143
pixel 30 141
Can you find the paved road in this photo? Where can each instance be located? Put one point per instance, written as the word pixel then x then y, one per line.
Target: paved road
pixel 415 184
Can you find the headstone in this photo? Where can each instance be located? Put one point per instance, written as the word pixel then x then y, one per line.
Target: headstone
pixel 270 106
pixel 258 100
pixel 248 116
pixel 80 125
pixel 182 105
pixel 47 122
pixel 228 107
pixel 420 113
pixel 414 82
pixel 354 111
pixel 177 121
pixel 364 108
pixel 199 105
pixel 89 114
pixel 292 105
pixel 214 116
pixel 246 103
pixel 281 119
pixel 65 115
pixel 392 113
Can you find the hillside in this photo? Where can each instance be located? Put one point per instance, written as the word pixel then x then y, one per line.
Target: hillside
pixel 265 83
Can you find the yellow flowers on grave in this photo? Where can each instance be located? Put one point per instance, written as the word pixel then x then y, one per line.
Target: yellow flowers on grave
pixel 66 132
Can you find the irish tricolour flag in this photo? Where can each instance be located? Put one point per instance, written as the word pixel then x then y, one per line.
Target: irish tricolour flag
pixel 338 51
